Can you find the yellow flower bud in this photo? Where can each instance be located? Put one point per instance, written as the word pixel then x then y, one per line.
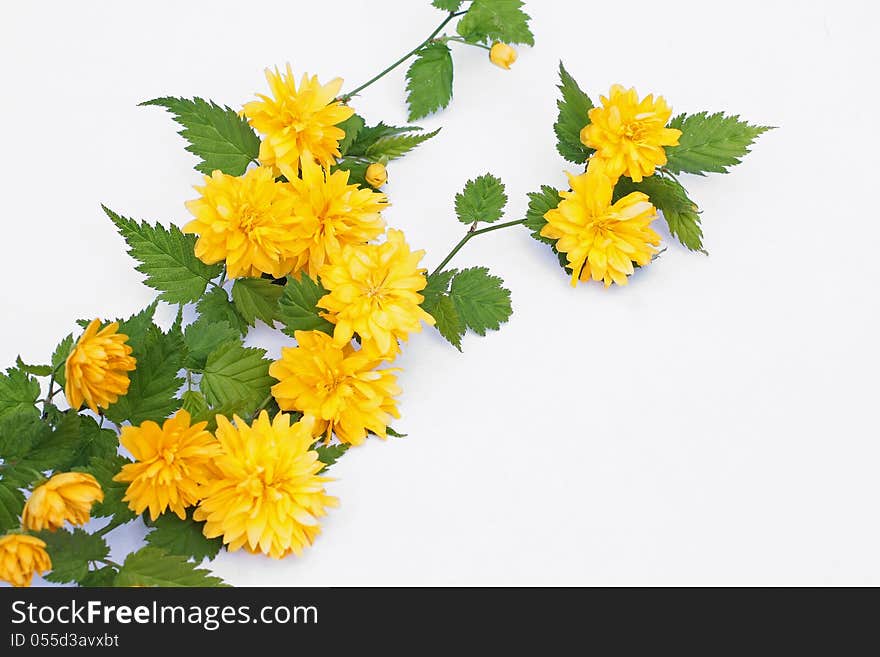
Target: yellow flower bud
pixel 376 175
pixel 502 55
pixel 68 496
pixel 20 557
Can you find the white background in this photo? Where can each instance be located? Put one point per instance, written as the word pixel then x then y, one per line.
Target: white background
pixel 712 423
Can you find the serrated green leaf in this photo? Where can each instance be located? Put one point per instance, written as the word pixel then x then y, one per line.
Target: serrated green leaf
pixel 89 440
pixel 429 80
pixel 18 392
pixel 183 537
pixel 298 307
pixel 36 370
pixel 574 107
pixel 152 393
pixel 102 577
pixel 194 403
pixel 447 5
pixel 167 258
pixel 448 321
pixel 351 126
pixel 217 135
pixel 393 147
pixel 137 327
pixel 370 135
pixel 480 299
pixel 71 552
pixel 329 454
pixel 104 469
pixel 671 199
pixel 438 285
pixel 238 376
pixel 357 170
pixel 215 306
pixel 11 504
pixel 151 566
pixel 482 199
pixel 204 336
pixel 710 143
pixel 59 357
pixel 256 298
pixel 21 435
pixel 496 20
pixel 540 203
pixel 396 434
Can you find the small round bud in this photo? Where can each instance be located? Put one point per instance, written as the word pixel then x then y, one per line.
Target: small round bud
pixel 502 55
pixel 376 175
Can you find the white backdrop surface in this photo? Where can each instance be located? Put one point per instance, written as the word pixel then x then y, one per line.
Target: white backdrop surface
pixel 712 423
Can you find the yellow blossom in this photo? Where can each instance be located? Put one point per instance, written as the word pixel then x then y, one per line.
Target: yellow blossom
pixel 502 55
pixel 171 463
pixel 342 388
pixel 96 371
pixel 376 175
pixel 248 222
pixel 628 134
pixel 268 495
pixel 68 496
pixel 331 214
pixel 298 122
pixel 20 557
pixel 374 292
pixel 602 240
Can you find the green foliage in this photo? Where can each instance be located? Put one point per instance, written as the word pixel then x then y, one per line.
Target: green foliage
pixel 137 327
pixel 11 504
pixel 447 5
pixel 183 537
pixel 298 307
pixel 18 392
pixel 215 306
pixel 104 469
pixel 237 377
pixel 194 403
pixel 329 454
pixel 59 356
pixel 429 80
pixel 85 439
pixel 101 577
pixel 256 298
pixel 710 143
pixel 351 126
pixel 152 393
pixel 438 285
pixel 540 203
pixel 217 135
pixel 574 107
pixel 448 321
pixel 71 552
pixel 671 199
pixel 392 147
pixel 167 259
pixel 483 199
pixel 204 336
pixel 357 170
pixel 152 566
pixel 496 20
pixel 36 370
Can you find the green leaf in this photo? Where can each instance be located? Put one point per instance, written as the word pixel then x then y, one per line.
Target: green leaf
pixel 447 320
pixel 357 170
pixel 137 327
pixel 91 442
pixel 204 336
pixel 438 285
pixel 671 199
pixel 36 370
pixel 391 148
pixel 216 307
pixel 238 376
pixel 102 577
pixel 298 307
pixel 71 553
pixel 151 566
pixel 22 438
pixel 574 107
pixel 59 357
pixel 329 454
pixel 395 434
pixel 104 469
pixel 540 203
pixel 167 259
pixel 483 199
pixel 429 80
pixel 447 5
pixel 481 301
pixel 152 393
pixel 369 136
pixel 194 403
pixel 11 504
pixel 351 126
pixel 496 20
pixel 183 537
pixel 217 135
pixel 256 298
pixel 710 143
pixel 18 392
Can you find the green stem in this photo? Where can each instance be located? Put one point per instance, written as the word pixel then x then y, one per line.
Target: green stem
pixel 346 97
pixel 262 406
pixel 108 562
pixel 468 43
pixel 473 232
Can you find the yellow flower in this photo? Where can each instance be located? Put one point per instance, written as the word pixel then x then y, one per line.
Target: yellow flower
pixel 330 214
pixel 601 240
pixel 96 371
pixel 67 496
pixel 20 557
pixel 248 222
pixel 171 463
pixel 376 175
pixel 268 495
pixel 298 122
pixel 374 292
pixel 340 387
pixel 629 135
pixel 502 55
